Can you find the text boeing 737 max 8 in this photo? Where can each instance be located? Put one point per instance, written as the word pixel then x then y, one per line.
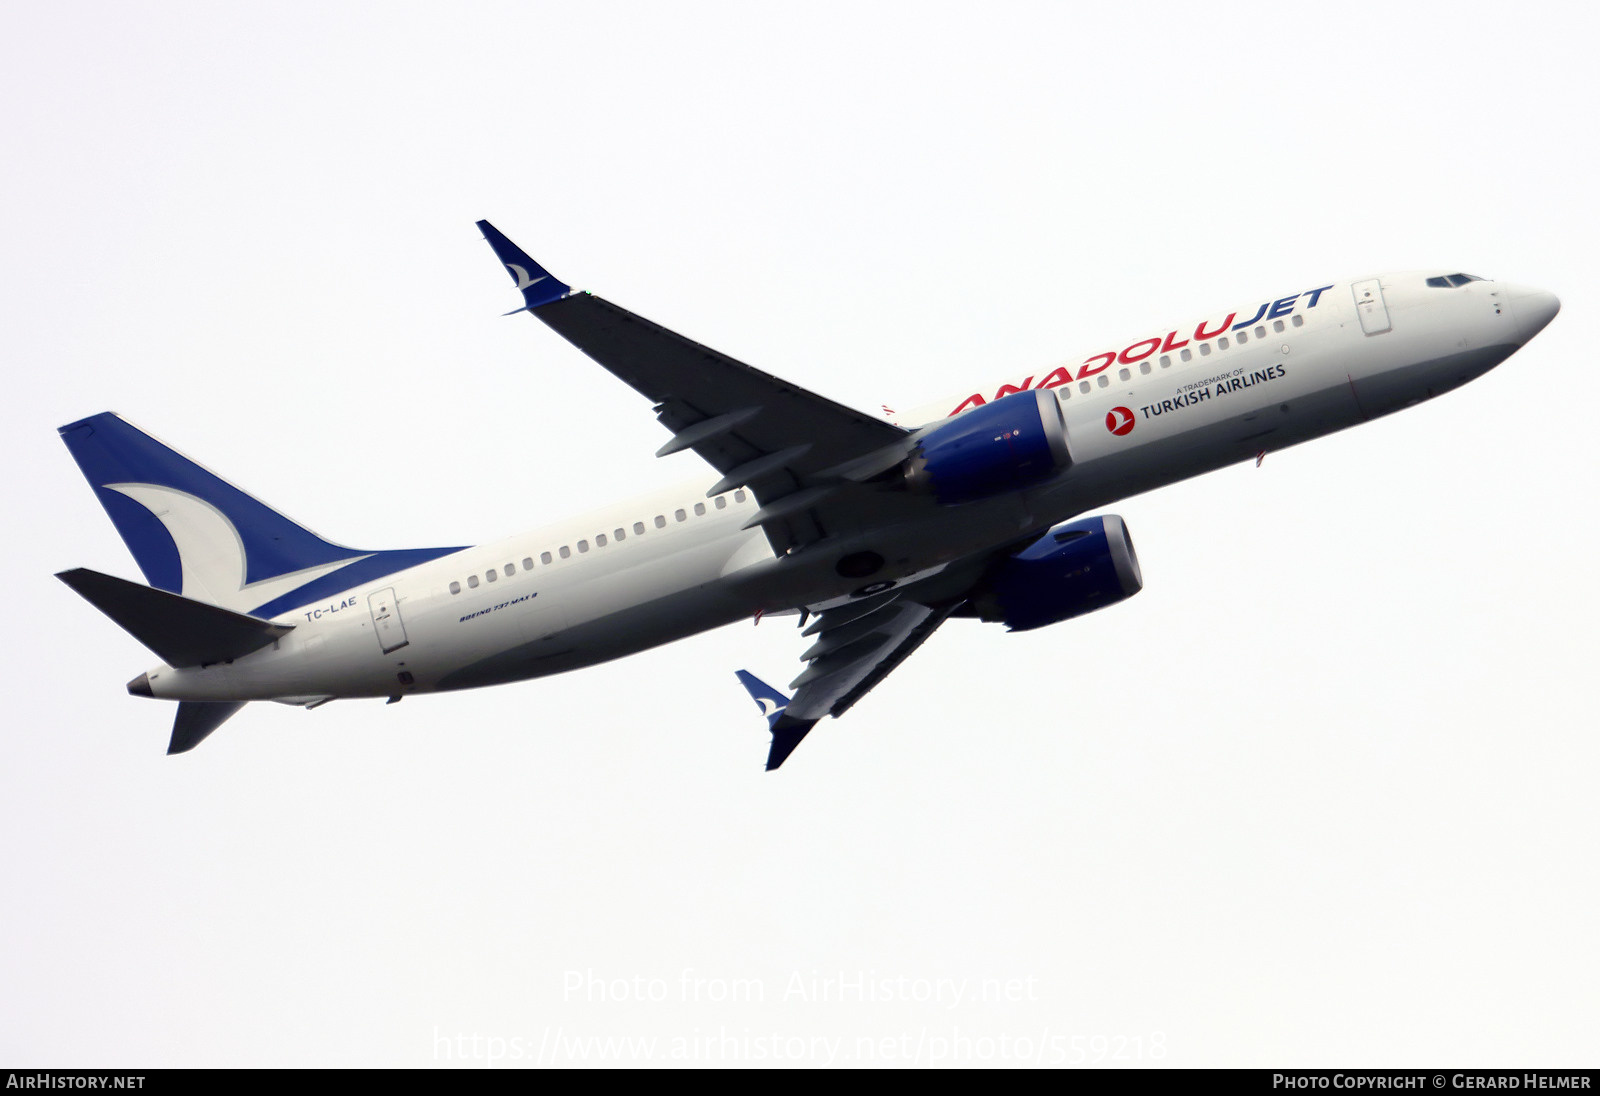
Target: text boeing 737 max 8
pixel 874 533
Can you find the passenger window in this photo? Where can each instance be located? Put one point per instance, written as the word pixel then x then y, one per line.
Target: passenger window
pixel 680 515
pixel 527 563
pixel 722 503
pixel 1277 325
pixel 1205 350
pixel 1124 375
pixel 1298 321
pixel 738 496
pixel 1105 381
pixel 1222 344
pixel 661 522
pixel 1244 337
pixel 638 528
pixel 511 569
pixel 472 581
pixel 1186 356
pixel 455 587
pixel 1166 361
pixel 1083 386
pixel 1144 367
pixel 699 509
pixel 565 552
pixel 583 546
pixel 491 574
pixel 1261 332
pixel 620 534
pixel 544 558
pixel 599 541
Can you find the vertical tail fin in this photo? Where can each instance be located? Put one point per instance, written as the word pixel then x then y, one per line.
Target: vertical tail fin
pixel 195 534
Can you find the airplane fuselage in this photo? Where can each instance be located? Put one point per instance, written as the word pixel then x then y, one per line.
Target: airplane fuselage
pixel 1172 404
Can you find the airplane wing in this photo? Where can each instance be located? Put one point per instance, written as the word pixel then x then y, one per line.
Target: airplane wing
pixel 801 455
pixel 858 645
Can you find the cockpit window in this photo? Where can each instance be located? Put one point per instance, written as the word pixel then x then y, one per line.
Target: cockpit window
pixel 1448 280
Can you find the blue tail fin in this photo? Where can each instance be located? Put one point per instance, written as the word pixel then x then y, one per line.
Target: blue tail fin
pixel 194 534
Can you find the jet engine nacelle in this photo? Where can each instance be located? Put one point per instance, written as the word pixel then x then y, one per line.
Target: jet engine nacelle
pixel 1075 568
pixel 1011 443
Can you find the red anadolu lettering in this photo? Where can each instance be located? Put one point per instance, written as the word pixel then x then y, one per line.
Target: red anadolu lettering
pixel 1144 348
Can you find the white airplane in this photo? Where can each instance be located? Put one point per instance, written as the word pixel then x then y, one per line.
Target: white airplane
pixel 872 532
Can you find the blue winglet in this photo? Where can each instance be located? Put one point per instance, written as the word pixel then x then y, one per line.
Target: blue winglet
pixel 771 701
pixel 786 732
pixel 537 284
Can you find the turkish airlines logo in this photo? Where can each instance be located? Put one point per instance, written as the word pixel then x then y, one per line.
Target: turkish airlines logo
pixel 1119 420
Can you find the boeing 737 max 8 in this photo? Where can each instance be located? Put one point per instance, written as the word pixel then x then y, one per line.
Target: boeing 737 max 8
pixel 875 533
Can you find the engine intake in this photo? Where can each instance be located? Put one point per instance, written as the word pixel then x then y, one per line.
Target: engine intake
pixel 1075 568
pixel 1002 446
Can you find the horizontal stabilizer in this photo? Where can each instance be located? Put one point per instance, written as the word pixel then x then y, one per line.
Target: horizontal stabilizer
pixel 786 731
pixel 196 719
pixel 181 631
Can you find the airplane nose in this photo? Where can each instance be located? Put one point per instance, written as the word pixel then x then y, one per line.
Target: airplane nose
pixel 1533 308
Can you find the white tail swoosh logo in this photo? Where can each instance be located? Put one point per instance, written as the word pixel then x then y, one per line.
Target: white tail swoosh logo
pixel 523 281
pixel 211 551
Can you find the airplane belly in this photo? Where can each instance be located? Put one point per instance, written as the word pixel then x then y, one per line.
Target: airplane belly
pixel 1381 393
pixel 598 614
pixel 1213 442
pixel 307 662
pixel 623 630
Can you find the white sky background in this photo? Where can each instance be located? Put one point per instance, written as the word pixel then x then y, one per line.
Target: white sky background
pixel 1323 794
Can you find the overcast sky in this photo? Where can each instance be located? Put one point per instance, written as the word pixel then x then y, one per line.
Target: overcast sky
pixel 1322 794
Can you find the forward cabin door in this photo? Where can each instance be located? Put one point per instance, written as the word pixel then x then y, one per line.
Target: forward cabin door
pixel 386 620
pixel 1369 303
